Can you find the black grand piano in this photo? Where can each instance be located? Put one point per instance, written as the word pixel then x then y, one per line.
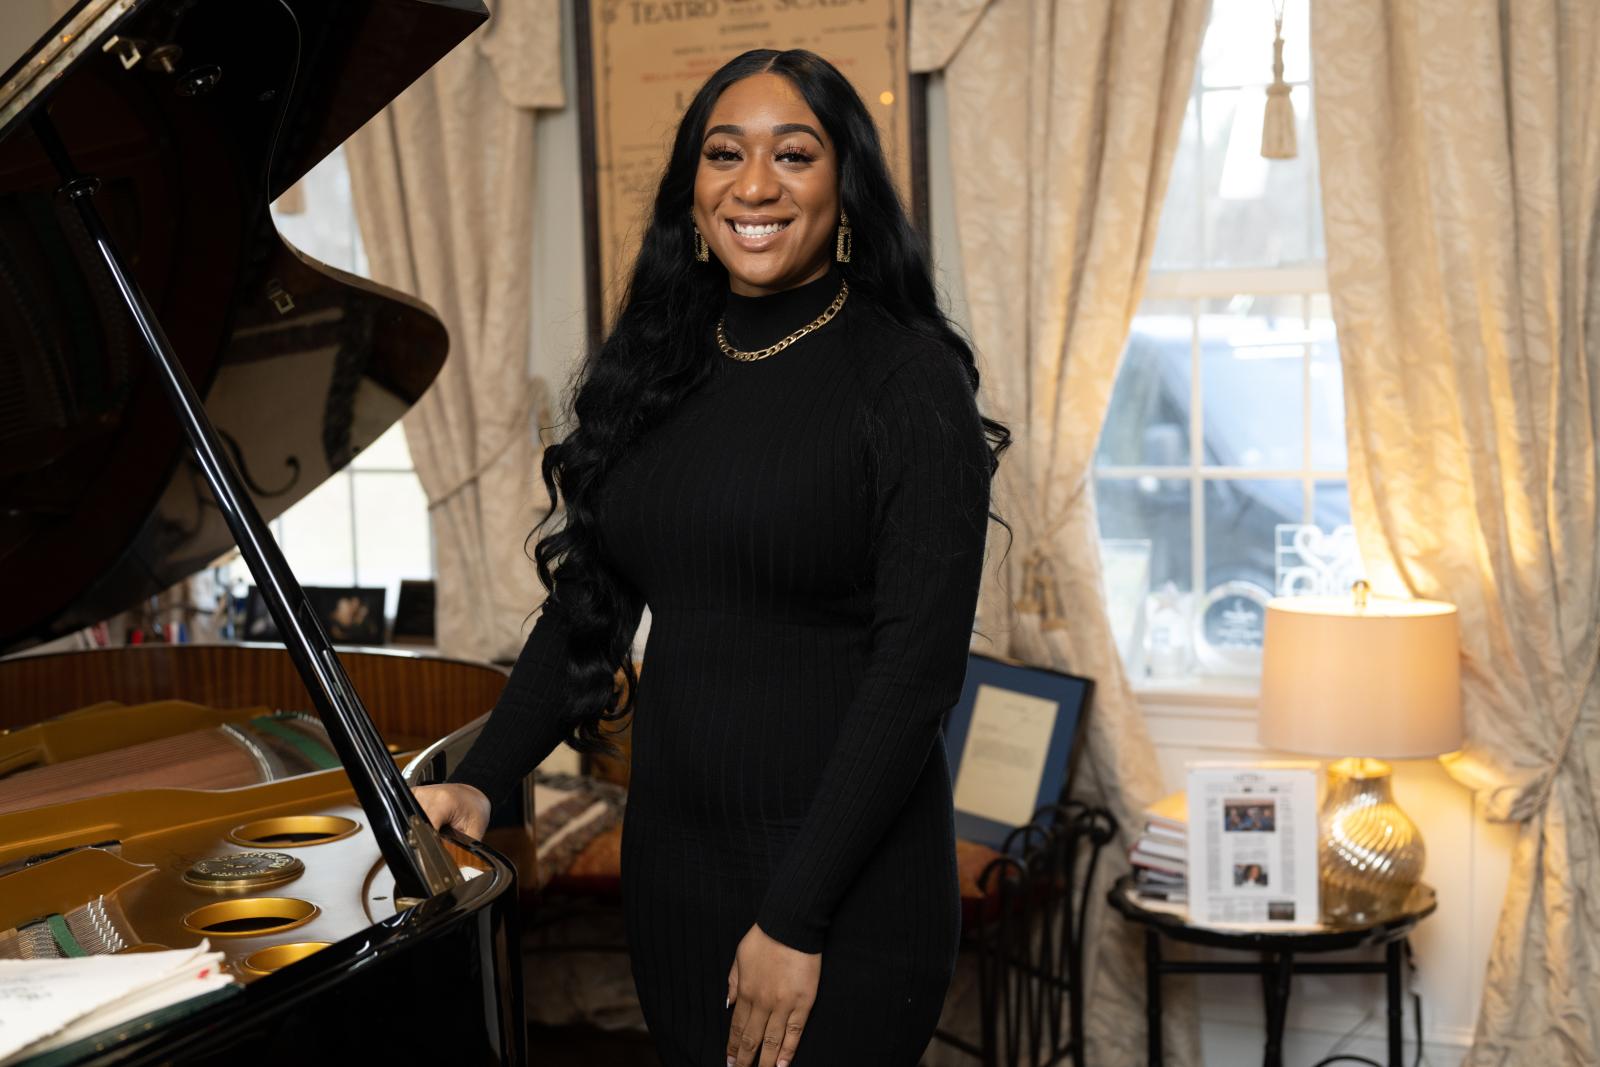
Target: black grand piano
pixel 172 375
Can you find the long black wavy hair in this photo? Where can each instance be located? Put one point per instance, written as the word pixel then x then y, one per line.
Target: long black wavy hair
pixel 659 351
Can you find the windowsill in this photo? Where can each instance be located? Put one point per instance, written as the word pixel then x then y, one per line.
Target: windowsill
pixel 1202 717
pixel 1199 691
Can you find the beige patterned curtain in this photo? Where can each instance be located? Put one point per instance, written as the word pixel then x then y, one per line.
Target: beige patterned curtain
pixel 1064 118
pixel 1461 188
pixel 443 189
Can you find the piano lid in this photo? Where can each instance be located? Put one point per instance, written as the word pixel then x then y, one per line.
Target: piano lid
pixel 193 115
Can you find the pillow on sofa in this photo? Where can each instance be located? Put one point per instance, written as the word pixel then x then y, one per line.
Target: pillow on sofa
pixel 570 811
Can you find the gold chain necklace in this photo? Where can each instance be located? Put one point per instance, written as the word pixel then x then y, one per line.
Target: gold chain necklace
pixel 772 349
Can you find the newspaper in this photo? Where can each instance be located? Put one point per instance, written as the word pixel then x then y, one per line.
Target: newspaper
pixel 1253 844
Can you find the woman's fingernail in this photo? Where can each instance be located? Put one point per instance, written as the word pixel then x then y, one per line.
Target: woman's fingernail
pixel 730 1061
pixel 783 1063
pixel 727 1003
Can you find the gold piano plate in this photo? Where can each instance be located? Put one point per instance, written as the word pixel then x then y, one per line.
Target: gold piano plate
pixel 294 831
pixel 243 870
pixel 280 956
pixel 250 916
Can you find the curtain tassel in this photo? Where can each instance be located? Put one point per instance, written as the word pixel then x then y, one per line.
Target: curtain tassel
pixel 1277 129
pixel 1027 601
pixel 1041 595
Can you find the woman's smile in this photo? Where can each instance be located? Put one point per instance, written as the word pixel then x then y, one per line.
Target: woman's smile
pixel 757 234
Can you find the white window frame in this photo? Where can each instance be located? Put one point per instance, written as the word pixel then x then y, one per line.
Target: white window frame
pixel 1195 286
pixel 352 473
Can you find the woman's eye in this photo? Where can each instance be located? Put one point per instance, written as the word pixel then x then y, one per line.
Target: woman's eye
pixel 788 155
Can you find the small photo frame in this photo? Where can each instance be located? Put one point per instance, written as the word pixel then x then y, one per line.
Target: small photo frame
pixel 413 615
pixel 1014 740
pixel 350 615
pixel 258 624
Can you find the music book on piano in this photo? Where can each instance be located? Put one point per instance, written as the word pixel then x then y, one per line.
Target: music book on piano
pixel 48 1003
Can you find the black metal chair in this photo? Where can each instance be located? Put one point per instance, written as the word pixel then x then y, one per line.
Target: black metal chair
pixel 1027 939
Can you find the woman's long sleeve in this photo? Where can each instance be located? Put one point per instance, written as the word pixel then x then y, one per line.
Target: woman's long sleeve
pixel 532 715
pixel 931 490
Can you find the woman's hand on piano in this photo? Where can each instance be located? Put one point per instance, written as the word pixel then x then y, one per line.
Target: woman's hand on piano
pixel 456 804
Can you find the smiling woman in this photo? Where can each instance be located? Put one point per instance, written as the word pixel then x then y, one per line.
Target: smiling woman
pixel 779 450
pixel 766 193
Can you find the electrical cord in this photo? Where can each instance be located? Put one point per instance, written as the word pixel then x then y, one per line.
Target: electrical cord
pixel 1416 1005
pixel 1348 1036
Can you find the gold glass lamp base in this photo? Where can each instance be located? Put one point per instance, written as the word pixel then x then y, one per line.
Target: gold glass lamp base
pixel 1371 855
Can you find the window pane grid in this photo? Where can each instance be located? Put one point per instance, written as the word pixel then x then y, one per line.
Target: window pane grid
pixel 1232 507
pixel 1197 447
pixel 1234 87
pixel 1221 474
pixel 1305 413
pixel 1223 282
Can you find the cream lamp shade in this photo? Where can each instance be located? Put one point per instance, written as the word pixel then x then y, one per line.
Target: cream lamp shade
pixel 1381 679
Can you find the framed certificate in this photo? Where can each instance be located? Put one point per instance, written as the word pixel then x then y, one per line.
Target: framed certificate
pixel 1014 739
pixel 640 62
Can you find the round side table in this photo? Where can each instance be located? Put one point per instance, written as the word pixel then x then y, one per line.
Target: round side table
pixel 1277 950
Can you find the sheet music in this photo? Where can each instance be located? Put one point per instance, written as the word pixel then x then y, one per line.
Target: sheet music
pixel 47 1003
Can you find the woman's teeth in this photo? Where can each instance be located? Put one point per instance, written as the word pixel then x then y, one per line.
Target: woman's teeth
pixel 758 231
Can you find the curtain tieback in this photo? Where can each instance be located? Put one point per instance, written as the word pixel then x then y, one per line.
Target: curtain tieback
pixel 1041 590
pixel 1041 593
pixel 1546 781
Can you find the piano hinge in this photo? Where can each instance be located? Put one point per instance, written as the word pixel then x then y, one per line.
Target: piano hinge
pixel 126 49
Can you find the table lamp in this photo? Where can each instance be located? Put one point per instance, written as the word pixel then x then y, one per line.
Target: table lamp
pixel 1354 678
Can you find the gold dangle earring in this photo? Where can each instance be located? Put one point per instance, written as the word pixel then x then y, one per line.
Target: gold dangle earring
pixel 841 248
pixel 702 251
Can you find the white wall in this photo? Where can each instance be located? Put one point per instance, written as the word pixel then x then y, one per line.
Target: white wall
pixel 559 303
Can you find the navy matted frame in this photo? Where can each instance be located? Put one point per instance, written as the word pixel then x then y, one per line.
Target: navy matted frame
pixel 1071 695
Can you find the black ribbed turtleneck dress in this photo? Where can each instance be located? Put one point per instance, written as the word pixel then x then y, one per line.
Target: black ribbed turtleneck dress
pixel 808 532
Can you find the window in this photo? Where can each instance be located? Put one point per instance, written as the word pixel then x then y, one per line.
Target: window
pixel 368 524
pixel 1227 418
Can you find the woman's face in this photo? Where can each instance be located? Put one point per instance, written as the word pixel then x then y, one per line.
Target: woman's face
pixel 766 194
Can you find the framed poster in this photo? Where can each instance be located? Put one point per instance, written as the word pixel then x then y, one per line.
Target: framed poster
pixel 1013 740
pixel 640 63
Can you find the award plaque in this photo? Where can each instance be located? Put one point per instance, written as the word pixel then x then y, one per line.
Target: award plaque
pixel 1229 628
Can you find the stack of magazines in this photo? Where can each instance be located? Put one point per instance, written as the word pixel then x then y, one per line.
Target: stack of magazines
pixel 1161 855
